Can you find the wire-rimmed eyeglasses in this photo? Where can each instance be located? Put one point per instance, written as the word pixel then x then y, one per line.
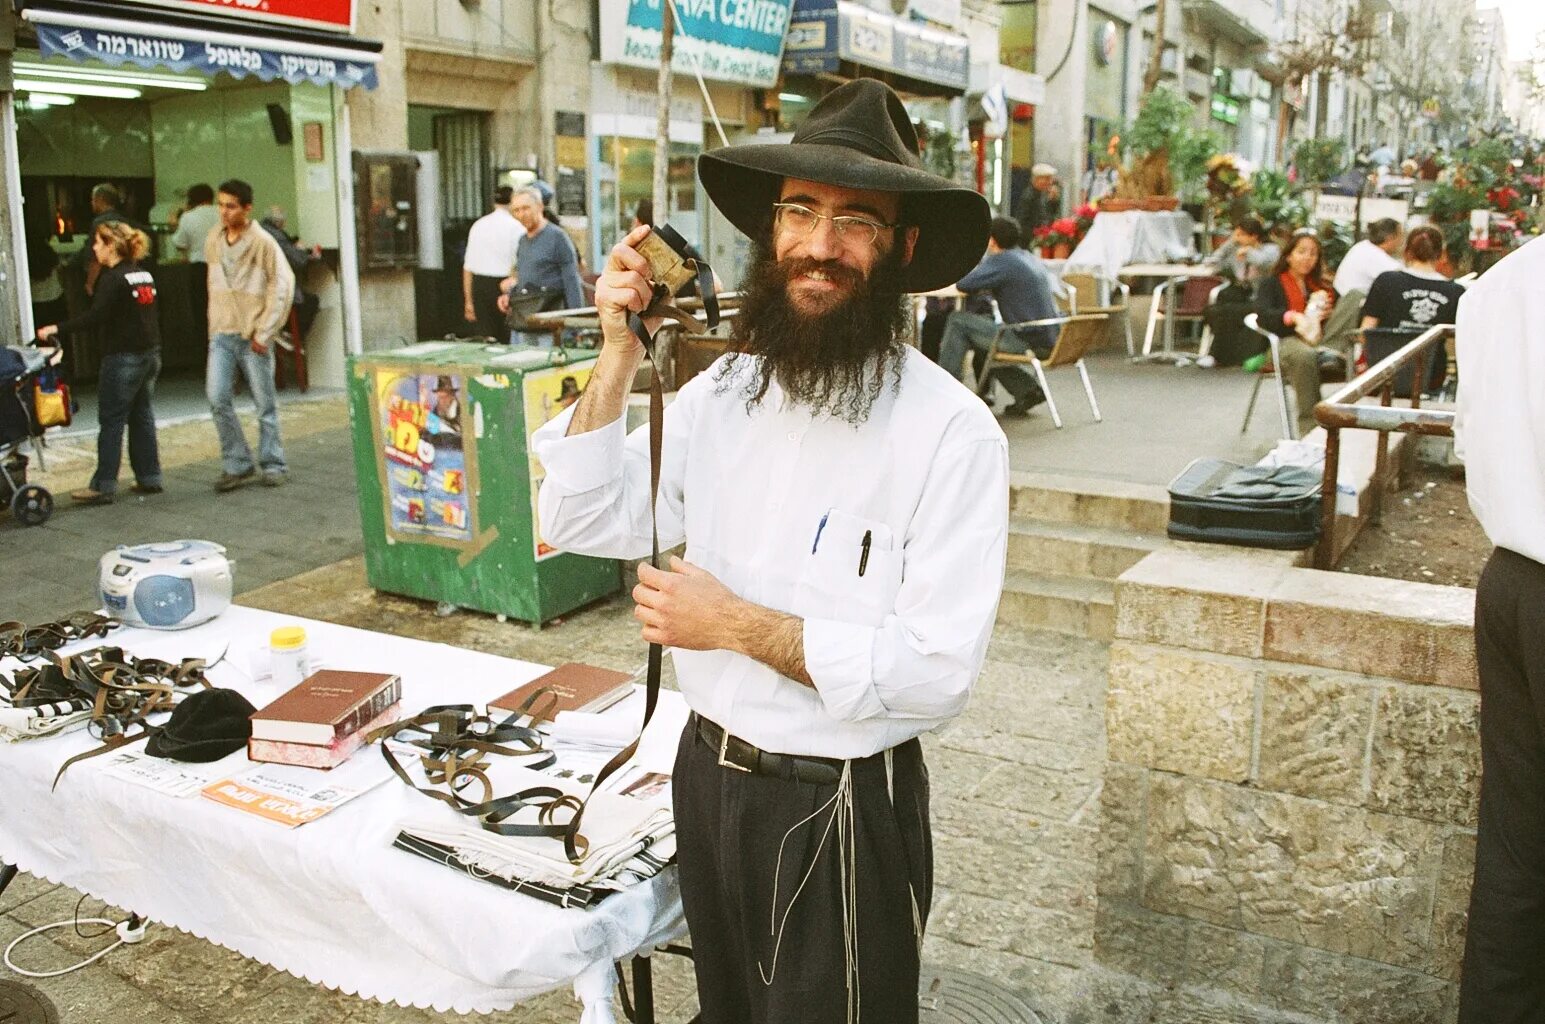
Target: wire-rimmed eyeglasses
pixel 801 220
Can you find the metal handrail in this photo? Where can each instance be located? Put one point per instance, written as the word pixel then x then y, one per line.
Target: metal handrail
pixel 1344 411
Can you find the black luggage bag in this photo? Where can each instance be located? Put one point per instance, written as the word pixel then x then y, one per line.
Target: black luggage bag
pixel 1221 502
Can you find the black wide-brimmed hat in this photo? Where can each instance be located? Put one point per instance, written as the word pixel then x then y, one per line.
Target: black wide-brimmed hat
pixel 205 727
pixel 858 136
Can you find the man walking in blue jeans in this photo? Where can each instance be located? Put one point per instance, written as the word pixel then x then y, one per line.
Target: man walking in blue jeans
pixel 250 287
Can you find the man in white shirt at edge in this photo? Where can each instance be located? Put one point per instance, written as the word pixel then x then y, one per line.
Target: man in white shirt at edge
pixel 1369 258
pixel 1499 431
pixel 492 242
pixel 844 504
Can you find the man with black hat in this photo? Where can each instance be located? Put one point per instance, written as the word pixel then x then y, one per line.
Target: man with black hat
pixel 844 503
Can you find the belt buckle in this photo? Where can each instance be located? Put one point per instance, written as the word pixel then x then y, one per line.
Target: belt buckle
pixel 724 761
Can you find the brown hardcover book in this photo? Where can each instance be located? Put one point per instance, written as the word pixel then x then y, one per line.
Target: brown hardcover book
pixel 327 704
pixel 571 687
pixel 310 755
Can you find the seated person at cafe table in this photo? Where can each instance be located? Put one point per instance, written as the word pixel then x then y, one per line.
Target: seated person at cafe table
pixel 1295 303
pixel 1017 282
pixel 1244 260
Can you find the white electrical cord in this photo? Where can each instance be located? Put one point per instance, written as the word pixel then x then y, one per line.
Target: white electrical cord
pixel 126 936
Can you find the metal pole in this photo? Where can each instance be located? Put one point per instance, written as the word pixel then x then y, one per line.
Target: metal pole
pixel 23 288
pixel 1325 554
pixel 1381 461
pixel 643 988
pixel 348 242
pixel 662 141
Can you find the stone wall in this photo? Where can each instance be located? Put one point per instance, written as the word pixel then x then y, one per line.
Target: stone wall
pixel 1290 791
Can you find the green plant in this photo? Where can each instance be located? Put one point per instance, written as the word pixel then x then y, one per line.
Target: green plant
pixel 1319 161
pixel 1487 162
pixel 1188 156
pixel 1275 201
pixel 1165 117
pixel 1335 239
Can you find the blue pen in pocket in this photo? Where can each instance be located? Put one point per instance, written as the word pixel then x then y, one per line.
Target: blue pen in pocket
pixel 818 530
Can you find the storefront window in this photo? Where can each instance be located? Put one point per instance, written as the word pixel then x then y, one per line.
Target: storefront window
pixel 633 162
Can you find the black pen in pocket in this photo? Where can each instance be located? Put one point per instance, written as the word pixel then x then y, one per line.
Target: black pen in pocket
pixel 863 555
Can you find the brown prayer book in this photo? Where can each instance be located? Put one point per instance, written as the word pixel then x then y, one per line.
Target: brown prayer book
pixel 572 687
pixel 326 705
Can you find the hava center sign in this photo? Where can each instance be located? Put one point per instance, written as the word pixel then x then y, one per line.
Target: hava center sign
pixel 737 41
pixel 337 15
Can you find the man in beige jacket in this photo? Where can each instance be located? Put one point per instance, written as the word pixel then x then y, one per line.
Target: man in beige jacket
pixel 251 287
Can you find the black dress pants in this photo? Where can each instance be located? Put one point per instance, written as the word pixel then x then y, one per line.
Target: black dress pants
pixel 485 303
pixel 739 895
pixel 1504 969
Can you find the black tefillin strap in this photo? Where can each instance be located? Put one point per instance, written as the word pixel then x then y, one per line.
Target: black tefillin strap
pixel 121 691
pixel 455 738
pixel 457 742
pixel 29 643
pixel 661 305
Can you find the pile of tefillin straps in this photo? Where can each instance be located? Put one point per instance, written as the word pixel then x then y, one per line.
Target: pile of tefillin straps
pixel 111 692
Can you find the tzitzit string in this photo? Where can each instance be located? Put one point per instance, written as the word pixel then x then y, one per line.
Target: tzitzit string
pixel 841 820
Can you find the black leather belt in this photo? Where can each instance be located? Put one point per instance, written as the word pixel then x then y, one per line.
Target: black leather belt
pixel 736 753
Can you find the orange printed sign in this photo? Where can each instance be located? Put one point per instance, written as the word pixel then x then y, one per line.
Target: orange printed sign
pixel 282 810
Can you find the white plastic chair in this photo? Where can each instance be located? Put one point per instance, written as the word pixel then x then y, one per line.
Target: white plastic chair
pixel 1272 369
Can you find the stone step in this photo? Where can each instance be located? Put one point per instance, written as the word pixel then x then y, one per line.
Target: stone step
pixel 1062 604
pixel 1073 549
pixel 1089 501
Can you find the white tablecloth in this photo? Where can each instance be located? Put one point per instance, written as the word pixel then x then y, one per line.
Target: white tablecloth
pixel 330 901
pixel 1132 236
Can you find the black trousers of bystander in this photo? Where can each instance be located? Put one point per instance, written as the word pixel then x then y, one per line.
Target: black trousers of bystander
pixel 764 886
pixel 1504 968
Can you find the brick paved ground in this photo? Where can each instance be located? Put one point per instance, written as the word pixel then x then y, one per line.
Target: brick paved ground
pixel 1016 780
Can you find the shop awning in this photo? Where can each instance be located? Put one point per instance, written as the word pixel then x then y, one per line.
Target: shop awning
pixel 95 32
pixel 825 33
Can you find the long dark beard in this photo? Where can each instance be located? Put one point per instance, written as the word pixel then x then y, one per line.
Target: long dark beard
pixel 834 363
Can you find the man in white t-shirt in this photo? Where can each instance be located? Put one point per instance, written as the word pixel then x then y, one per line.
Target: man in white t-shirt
pixel 491 245
pixel 193 228
pixel 1369 258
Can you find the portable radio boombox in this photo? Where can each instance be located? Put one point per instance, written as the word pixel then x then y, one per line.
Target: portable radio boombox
pixel 172 585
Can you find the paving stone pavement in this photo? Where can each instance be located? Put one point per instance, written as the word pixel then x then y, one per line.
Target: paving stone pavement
pixel 1015 780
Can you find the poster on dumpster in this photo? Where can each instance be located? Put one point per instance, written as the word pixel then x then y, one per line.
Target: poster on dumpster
pixel 428 475
pixel 547 393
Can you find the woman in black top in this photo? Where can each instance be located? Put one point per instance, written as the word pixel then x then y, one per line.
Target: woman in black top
pixel 1417 297
pixel 123 307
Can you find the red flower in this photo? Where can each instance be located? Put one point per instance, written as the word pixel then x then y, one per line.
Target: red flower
pixel 1087 212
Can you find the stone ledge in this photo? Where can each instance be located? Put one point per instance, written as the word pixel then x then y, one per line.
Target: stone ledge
pixel 1257 604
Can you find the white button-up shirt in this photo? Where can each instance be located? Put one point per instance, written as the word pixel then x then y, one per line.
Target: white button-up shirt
pixel 1499 429
pixel 780 506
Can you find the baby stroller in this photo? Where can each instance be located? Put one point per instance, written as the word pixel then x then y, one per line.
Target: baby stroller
pixel 20 368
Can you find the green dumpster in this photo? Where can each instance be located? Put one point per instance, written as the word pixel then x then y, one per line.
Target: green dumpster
pixel 448 483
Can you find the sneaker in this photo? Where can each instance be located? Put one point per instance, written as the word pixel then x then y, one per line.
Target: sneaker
pixel 277 478
pixel 139 488
pixel 231 481
pixel 88 496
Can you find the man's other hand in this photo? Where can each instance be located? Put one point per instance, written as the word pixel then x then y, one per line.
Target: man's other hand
pixel 684 607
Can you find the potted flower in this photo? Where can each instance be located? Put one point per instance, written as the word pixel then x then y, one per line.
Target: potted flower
pixel 1084 219
pixel 1161 128
pixel 1056 240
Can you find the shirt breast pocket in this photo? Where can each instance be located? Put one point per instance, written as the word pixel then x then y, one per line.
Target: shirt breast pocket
pixel 852 572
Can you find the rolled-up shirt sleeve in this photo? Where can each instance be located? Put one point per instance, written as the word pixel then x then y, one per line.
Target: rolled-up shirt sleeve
pixel 921 661
pixel 594 498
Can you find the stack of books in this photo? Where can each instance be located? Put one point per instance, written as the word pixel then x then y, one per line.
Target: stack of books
pixel 323 720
